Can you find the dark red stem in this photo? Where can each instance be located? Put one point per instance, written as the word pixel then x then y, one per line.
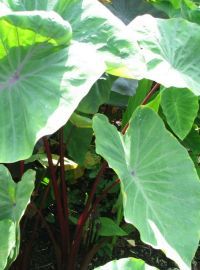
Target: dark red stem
pixel 77 241
pixel 83 218
pixel 64 188
pixel 92 253
pixel 21 164
pixel 149 95
pixel 59 208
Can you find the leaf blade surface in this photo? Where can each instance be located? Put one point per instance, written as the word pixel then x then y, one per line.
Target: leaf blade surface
pixel 158 181
pixel 170 56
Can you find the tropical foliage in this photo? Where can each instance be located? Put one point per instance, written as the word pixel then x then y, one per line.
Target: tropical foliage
pixel 84 89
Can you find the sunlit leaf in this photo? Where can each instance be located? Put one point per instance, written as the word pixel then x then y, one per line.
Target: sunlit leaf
pixel 171 58
pixel 38 80
pixel 94 24
pixel 46 71
pixel 160 186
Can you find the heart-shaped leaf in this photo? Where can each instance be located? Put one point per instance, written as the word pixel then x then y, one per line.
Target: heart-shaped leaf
pixel 45 74
pixel 93 23
pixel 171 58
pixel 39 79
pixel 14 197
pixel 160 186
pixel 180 107
pixel 13 201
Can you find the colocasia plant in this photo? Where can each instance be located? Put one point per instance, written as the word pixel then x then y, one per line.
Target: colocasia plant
pixel 85 96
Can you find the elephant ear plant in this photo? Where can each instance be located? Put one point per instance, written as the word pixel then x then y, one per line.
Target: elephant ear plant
pixel 54 54
pixel 14 199
pixel 51 53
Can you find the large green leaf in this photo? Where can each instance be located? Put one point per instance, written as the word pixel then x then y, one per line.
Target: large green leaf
pixel 7 240
pixel 160 186
pixel 41 83
pixel 45 74
pixel 171 58
pixel 126 264
pixel 94 24
pixel 17 5
pixel 14 198
pixel 23 25
pixel 180 107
